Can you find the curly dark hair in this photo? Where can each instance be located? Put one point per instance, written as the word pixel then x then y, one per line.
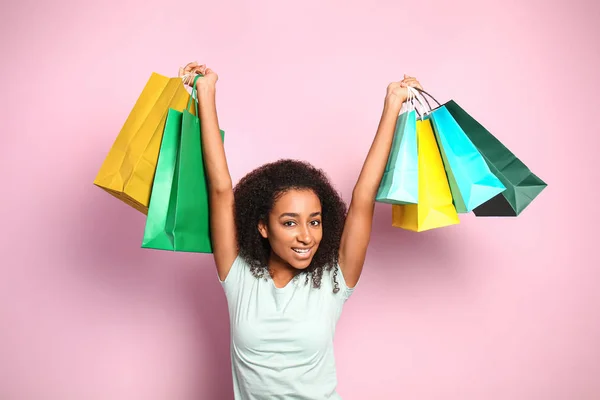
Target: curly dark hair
pixel 256 193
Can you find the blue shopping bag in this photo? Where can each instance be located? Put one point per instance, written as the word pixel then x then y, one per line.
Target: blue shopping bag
pixel 471 181
pixel 400 181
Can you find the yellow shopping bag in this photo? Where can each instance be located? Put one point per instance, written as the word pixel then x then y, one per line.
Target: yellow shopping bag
pixel 435 208
pixel 128 170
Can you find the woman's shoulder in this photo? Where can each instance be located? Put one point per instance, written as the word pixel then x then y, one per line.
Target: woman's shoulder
pixel 239 271
pixel 334 278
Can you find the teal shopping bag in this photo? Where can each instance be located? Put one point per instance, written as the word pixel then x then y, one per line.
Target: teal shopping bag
pixel 400 181
pixel 522 185
pixel 471 181
pixel 179 215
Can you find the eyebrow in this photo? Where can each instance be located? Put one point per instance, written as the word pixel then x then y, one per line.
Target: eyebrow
pixel 296 215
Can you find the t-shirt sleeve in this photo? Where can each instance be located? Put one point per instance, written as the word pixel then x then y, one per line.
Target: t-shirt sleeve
pixel 234 278
pixel 345 291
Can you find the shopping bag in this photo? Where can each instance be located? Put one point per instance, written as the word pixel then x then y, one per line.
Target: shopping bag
pixel 522 185
pixel 179 216
pixel 400 181
pixel 128 170
pixel 435 208
pixel 472 183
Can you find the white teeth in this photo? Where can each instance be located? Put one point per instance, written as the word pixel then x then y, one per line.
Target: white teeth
pixel 301 251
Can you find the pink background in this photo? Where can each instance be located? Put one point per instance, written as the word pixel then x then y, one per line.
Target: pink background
pixel 490 309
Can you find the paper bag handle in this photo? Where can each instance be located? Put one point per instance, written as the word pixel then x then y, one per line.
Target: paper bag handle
pixel 194 95
pixel 424 92
pixel 410 101
pixel 414 95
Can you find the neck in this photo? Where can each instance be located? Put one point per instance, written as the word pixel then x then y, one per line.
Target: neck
pixel 280 270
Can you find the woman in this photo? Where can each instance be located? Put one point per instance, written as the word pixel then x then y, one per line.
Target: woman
pixel 287 254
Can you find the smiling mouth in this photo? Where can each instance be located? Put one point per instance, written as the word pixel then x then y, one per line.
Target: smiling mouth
pixel 301 251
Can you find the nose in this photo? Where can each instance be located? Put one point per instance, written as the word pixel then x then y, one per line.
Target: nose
pixel 304 236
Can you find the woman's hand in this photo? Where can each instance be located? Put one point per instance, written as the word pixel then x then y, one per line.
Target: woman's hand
pixel 397 92
pixel 189 72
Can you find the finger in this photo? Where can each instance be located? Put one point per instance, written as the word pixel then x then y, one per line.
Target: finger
pixel 190 67
pixel 412 82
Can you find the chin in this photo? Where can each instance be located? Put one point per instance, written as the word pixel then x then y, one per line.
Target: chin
pixel 301 265
pixel 299 262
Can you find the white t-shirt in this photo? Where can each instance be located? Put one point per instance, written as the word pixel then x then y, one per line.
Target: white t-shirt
pixel 282 338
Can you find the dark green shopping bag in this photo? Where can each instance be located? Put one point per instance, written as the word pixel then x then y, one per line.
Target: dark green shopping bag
pixel 522 185
pixel 178 214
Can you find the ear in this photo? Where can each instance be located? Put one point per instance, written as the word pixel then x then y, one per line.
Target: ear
pixel 262 228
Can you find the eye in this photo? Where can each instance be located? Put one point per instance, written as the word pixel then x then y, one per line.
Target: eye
pixel 289 223
pixel 316 222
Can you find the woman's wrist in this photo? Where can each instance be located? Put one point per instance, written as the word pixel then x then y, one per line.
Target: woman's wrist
pixel 205 89
pixel 391 108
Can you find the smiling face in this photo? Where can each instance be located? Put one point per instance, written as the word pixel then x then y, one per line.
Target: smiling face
pixel 294 229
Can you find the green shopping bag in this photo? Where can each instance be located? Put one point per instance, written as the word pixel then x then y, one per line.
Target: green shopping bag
pixel 178 214
pixel 522 185
pixel 400 181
